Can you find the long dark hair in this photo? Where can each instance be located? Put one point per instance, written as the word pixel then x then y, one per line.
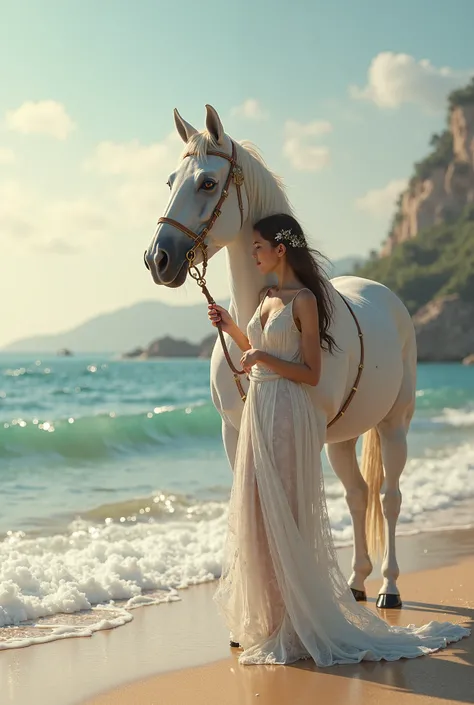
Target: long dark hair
pixel 304 261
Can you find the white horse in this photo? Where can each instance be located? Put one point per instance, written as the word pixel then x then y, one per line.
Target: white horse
pixel 383 405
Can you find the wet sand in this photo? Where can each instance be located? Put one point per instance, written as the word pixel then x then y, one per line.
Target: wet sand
pixel 173 654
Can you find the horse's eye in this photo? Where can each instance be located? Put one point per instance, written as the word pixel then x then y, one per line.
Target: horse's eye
pixel 208 185
pixel 168 183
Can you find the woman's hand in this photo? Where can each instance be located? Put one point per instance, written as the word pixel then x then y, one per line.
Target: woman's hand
pixel 250 358
pixel 217 314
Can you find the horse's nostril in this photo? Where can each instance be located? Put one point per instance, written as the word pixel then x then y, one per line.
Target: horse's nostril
pixel 162 260
pixel 146 263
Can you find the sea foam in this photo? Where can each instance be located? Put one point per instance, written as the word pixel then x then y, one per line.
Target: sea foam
pixel 58 586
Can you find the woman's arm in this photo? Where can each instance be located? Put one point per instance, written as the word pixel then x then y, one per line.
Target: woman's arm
pixel 239 338
pixel 305 310
pixel 218 314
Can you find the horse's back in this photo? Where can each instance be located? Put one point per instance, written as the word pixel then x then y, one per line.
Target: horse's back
pixel 376 301
pixel 388 339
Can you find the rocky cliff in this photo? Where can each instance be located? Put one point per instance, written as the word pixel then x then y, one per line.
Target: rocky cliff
pixel 428 258
pixel 444 330
pixel 443 183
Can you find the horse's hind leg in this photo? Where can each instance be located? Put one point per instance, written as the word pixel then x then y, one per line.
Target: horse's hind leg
pixel 343 459
pixel 393 440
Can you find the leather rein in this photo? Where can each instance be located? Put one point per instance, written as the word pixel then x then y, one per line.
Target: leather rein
pixel 236 176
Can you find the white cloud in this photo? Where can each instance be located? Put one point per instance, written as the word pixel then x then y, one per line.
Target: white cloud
pixel 250 109
pixel 128 158
pixel 45 117
pixel 15 214
pixel 380 203
pixel 59 226
pixel 394 79
pixel 299 148
pixel 142 202
pixel 7 156
pixel 81 216
pixel 142 170
pixel 58 246
pixel 135 159
pixel 131 195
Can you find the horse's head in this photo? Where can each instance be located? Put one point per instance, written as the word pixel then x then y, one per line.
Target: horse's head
pixel 208 203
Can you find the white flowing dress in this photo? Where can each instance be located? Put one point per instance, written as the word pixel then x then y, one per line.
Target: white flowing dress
pixel 281 592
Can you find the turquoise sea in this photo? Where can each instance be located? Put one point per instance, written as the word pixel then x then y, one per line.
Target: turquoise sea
pixel 114 480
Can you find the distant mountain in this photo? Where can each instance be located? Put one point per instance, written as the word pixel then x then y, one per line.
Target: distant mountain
pixel 135 326
pixel 124 329
pixel 345 265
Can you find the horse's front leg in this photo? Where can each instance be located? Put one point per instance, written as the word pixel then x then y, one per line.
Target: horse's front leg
pixel 343 459
pixel 230 433
pixel 230 437
pixel 226 398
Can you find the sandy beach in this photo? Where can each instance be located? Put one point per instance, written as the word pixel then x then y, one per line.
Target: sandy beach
pixel 171 654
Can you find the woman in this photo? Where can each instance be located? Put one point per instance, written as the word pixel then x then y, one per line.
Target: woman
pixel 281 591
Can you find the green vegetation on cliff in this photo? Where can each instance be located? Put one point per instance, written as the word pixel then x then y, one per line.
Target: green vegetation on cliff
pixel 438 261
pixel 442 144
pixel 462 96
pixel 441 155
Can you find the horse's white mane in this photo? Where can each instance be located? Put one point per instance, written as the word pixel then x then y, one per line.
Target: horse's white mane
pixel 265 189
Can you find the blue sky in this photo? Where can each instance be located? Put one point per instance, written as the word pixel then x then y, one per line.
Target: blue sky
pixel 341 98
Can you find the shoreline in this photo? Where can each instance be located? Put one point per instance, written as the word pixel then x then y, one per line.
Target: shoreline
pixel 168 639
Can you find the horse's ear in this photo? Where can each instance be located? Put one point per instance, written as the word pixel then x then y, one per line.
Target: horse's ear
pixel 214 125
pixel 185 130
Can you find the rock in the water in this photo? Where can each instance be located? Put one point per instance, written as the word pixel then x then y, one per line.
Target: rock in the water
pixel 445 330
pixel 468 360
pixel 136 352
pixel 169 347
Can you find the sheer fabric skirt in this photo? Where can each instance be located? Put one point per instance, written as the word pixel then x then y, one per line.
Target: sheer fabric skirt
pixel 281 591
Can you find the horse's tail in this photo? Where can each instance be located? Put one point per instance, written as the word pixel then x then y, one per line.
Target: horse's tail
pixel 372 470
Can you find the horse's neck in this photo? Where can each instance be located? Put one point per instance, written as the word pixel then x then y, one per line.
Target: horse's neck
pixel 266 196
pixel 244 279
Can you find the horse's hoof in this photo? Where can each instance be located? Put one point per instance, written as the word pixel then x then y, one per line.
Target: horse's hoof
pixel 234 644
pixel 360 595
pixel 389 602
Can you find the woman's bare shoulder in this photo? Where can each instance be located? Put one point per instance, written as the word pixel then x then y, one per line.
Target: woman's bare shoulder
pixel 305 303
pixel 305 297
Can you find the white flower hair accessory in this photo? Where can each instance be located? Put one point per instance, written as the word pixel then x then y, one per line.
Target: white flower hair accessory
pixel 288 236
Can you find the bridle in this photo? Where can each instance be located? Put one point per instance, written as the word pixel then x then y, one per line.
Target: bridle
pixel 236 176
